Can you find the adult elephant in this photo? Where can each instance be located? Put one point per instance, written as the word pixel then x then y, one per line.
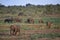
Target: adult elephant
pixel 30 20
pixel 18 20
pixel 14 30
pixel 8 20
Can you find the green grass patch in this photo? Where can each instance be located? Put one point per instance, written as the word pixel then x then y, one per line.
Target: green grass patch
pixel 50 35
pixel 54 20
pixel 27 28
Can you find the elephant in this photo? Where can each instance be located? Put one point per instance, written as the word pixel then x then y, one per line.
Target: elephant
pixel 49 24
pixel 8 20
pixel 14 30
pixel 30 20
pixel 41 21
pixel 18 20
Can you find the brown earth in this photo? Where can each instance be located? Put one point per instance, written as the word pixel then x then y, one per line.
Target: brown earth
pixel 25 34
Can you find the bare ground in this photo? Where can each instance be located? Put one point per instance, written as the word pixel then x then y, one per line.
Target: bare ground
pixel 25 35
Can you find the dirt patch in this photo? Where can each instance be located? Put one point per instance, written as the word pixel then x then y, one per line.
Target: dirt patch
pixel 26 35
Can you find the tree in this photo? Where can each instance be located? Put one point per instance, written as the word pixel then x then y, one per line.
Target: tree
pixel 2 5
pixel 29 5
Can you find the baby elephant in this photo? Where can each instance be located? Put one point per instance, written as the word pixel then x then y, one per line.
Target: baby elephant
pixel 49 24
pixel 14 30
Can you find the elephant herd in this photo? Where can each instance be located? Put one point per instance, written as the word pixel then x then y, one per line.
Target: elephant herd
pixel 15 29
pixel 10 20
pixel 29 20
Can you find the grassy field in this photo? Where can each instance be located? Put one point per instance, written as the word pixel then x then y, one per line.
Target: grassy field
pixel 51 34
pixel 36 31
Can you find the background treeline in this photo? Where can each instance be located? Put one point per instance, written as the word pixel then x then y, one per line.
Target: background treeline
pixel 30 10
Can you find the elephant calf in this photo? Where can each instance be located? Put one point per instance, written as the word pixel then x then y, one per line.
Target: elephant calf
pixel 49 24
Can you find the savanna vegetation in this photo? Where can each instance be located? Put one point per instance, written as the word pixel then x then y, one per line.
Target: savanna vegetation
pixel 30 31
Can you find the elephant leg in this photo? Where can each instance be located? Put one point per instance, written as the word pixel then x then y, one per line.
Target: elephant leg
pixel 8 21
pixel 11 32
pixel 17 32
